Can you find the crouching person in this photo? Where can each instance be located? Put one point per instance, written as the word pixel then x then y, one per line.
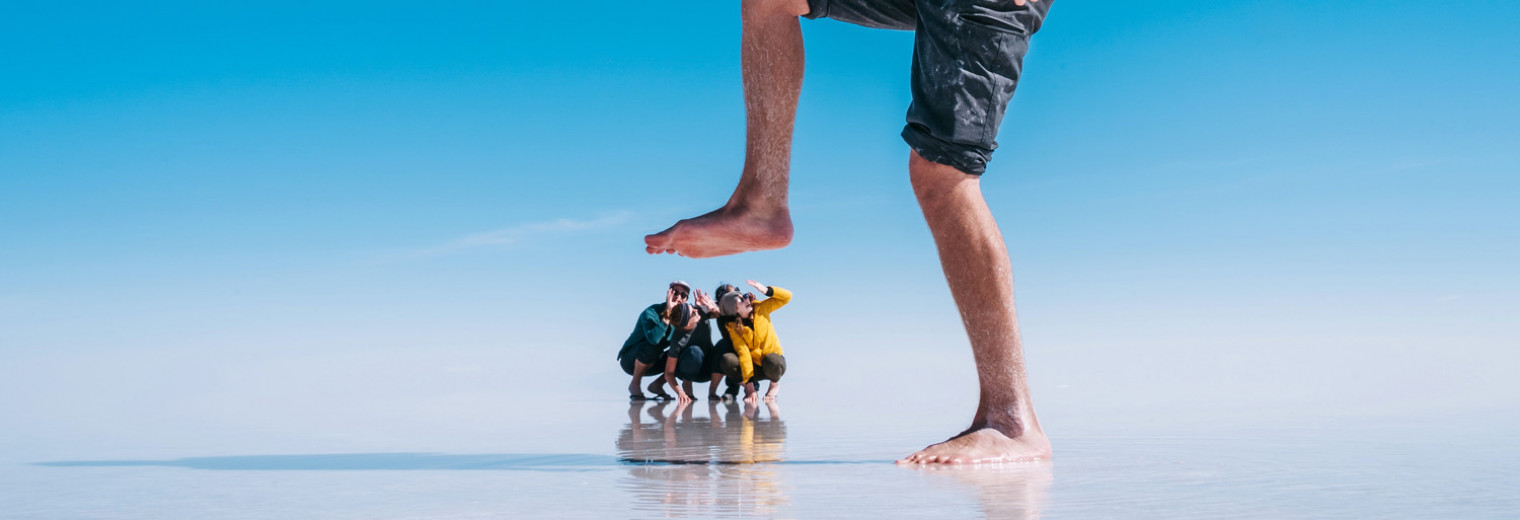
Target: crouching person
pixel 686 356
pixel 757 351
pixel 646 346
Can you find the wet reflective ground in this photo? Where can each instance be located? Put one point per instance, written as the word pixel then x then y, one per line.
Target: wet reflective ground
pixel 661 460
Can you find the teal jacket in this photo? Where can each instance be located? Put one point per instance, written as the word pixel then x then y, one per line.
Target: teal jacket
pixel 649 333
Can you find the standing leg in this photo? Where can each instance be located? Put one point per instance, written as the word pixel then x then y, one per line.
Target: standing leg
pixel 977 266
pixel 756 216
pixel 965 69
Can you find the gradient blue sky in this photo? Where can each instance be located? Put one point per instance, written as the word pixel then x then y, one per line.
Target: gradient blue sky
pixel 1223 205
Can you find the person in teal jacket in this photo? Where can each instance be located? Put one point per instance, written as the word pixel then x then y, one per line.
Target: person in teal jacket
pixel 651 335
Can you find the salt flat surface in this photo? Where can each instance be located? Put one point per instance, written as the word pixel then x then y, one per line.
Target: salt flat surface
pixel 608 459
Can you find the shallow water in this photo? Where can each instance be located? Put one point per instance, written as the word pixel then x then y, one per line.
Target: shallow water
pixel 656 460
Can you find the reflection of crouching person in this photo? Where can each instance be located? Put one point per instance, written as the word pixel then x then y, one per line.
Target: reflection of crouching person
pixel 757 349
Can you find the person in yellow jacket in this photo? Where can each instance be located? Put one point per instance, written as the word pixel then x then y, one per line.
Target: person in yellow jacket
pixel 757 351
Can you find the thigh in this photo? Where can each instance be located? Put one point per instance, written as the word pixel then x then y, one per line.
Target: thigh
pixel 690 365
pixel 728 365
pixel 711 356
pixel 967 59
pixel 881 14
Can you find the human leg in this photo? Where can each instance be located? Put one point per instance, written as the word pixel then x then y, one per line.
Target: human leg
pixel 657 387
pixel 756 217
pixel 980 275
pixel 729 364
pixel 724 346
pixel 967 60
pixel 773 366
pixel 638 368
pixel 712 389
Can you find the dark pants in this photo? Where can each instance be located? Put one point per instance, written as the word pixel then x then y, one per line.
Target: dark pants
pixel 772 367
pixel 715 359
pixel 691 365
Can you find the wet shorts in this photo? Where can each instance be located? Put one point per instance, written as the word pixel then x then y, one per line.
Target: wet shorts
pixel 967 55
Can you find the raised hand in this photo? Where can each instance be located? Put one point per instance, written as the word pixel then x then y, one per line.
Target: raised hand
pixel 758 286
pixel 670 304
pixel 706 302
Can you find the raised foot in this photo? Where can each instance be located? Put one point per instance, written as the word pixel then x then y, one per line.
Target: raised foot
pixel 722 232
pixel 983 446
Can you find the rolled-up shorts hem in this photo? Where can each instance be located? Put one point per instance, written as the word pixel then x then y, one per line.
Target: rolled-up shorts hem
pixel 969 159
pixel 817 9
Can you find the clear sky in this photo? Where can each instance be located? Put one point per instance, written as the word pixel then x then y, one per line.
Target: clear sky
pixel 1222 206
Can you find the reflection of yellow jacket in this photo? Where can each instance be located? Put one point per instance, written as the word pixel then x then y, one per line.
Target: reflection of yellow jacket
pixel 759 340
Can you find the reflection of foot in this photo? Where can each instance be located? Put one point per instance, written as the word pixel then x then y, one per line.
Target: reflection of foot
pixel 724 231
pixel 983 446
pixel 1006 491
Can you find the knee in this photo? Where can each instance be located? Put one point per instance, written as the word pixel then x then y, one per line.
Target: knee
pixel 774 366
pixel 931 180
pixel 729 365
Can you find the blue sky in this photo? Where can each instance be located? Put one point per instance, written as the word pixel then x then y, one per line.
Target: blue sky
pixel 1268 199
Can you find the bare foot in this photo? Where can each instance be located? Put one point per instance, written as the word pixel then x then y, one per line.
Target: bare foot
pixel 724 231
pixel 658 389
pixel 984 445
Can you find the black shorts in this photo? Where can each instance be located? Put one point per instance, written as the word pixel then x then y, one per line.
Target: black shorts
pixel 967 55
pixel 644 353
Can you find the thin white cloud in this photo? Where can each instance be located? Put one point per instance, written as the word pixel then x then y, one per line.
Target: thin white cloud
pixel 516 234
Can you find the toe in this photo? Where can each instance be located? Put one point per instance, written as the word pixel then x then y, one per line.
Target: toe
pixel 658 239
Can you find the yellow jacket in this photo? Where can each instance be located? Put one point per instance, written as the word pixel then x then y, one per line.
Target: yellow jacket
pixel 759 340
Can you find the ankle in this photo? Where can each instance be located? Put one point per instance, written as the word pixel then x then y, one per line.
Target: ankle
pixel 761 208
pixel 1014 423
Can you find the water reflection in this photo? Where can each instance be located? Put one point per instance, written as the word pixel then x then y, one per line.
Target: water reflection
pixel 685 465
pixel 1003 491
